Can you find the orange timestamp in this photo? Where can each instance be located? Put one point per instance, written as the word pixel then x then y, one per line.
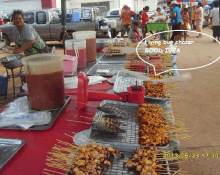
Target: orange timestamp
pixel 190 155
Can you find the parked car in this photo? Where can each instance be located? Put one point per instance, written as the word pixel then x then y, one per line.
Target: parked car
pixel 47 23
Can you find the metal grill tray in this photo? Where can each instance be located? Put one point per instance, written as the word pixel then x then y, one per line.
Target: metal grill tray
pixel 117 167
pixel 8 148
pixel 124 80
pixel 129 140
pixel 54 114
pixel 112 68
pixel 120 59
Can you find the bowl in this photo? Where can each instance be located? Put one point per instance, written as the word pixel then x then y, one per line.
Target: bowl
pixel 12 61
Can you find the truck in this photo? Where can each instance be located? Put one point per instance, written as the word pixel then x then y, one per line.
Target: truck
pixel 47 23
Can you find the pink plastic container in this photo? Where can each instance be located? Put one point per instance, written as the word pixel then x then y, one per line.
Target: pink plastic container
pixel 80 46
pixel 70 64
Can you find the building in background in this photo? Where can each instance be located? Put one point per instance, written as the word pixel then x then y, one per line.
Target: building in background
pixel 136 5
pixel 29 4
pixel 140 4
pixel 109 4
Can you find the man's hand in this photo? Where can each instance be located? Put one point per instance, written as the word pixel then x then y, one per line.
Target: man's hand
pixel 17 51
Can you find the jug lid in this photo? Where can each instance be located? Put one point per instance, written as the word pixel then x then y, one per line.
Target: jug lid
pixel 42 59
pixel 84 34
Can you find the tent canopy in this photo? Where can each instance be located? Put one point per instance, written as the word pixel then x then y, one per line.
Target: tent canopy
pixel 179 1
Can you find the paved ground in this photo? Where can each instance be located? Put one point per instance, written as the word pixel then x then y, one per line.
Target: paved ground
pixel 199 106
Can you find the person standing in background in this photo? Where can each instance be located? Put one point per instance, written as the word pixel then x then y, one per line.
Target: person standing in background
pixel 169 12
pixel 144 21
pixel 190 16
pixel 199 19
pixel 175 21
pixel 126 19
pixel 214 18
pixel 194 17
pixel 185 19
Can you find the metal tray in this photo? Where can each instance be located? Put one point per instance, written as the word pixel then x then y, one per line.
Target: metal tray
pixel 124 80
pixel 54 114
pixel 120 59
pixel 101 68
pixel 8 148
pixel 129 140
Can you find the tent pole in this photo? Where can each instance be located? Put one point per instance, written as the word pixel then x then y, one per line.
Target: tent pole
pixel 63 12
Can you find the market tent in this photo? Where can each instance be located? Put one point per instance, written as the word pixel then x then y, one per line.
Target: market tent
pixel 179 1
pixel 188 0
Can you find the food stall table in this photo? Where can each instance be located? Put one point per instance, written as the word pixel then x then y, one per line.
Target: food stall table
pixel 32 157
pixel 158 27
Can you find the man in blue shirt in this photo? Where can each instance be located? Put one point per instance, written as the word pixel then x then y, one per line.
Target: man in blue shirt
pixel 175 21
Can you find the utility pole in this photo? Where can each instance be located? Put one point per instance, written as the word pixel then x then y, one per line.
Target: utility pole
pixel 63 14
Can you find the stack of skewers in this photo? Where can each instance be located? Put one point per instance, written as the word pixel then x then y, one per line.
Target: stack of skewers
pixel 113 51
pixel 157 62
pixel 91 159
pixel 153 129
pixel 155 90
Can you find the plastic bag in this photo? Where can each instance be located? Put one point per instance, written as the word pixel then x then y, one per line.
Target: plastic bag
pixel 19 105
pixel 19 113
pixel 25 120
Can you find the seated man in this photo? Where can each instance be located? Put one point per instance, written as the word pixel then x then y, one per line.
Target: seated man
pixel 135 33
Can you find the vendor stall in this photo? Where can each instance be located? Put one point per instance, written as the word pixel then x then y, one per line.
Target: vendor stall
pixel 90 122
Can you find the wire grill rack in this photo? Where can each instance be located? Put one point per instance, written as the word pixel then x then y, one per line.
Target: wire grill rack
pixel 128 140
pixel 105 69
pixel 124 80
pixel 117 167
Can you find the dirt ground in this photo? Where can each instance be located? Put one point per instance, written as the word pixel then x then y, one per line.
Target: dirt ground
pixel 198 104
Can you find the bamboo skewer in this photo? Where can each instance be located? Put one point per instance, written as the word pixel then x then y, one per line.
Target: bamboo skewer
pixel 47 173
pixel 79 122
pixel 54 171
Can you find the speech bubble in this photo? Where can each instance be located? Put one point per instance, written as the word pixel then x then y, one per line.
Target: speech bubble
pixel 199 67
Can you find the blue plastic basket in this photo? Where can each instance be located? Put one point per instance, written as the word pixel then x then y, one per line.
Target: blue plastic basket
pixel 3 85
